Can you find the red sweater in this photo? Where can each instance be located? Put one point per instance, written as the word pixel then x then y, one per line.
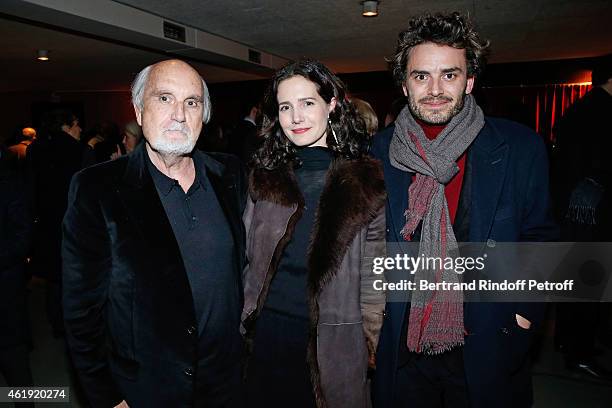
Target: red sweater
pixel 453 189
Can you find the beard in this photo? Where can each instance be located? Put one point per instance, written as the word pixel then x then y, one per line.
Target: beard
pixel 437 117
pixel 173 147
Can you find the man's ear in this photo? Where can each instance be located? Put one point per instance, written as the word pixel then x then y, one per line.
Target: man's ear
pixel 470 85
pixel 138 113
pixel 405 90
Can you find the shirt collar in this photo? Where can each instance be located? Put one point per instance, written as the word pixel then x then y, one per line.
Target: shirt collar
pixel 165 184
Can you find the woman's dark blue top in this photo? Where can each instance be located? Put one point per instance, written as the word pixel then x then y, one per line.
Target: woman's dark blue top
pixel 288 292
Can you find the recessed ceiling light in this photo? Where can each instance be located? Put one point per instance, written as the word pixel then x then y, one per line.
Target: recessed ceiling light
pixel 42 55
pixel 370 8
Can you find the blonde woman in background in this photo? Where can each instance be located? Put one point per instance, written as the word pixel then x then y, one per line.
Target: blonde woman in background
pixel 367 114
pixel 131 137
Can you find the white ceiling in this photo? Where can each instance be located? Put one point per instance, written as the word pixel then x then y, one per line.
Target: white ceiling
pixel 330 30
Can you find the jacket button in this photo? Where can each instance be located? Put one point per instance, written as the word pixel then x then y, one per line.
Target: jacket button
pixel 491 243
pixel 191 330
pixel 504 330
pixel 188 372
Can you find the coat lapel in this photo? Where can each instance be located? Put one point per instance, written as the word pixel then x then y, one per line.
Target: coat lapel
pixel 353 193
pixel 161 261
pixel 489 163
pixel 278 186
pixel 398 182
pixel 145 209
pixel 224 185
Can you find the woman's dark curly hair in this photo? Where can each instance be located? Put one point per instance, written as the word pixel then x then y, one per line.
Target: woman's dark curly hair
pixel 278 150
pixel 453 30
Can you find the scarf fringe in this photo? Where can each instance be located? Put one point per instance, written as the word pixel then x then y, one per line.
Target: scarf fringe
pixel 436 335
pixel 581 214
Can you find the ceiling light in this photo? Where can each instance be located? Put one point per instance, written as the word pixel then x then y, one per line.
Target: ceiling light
pixel 42 55
pixel 370 8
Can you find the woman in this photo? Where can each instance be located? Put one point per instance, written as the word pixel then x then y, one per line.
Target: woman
pixel 314 219
pixel 365 111
pixel 132 135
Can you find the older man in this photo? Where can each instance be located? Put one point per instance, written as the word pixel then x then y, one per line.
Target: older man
pixel 454 175
pixel 153 249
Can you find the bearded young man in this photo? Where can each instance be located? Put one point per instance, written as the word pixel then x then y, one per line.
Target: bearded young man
pixel 153 252
pixel 453 175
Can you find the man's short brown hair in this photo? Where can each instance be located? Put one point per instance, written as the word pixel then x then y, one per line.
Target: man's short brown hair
pixel 453 30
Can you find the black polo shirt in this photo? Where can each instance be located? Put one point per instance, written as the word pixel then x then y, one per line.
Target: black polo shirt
pixel 207 247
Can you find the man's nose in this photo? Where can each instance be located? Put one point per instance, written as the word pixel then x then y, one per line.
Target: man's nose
pixel 179 113
pixel 435 88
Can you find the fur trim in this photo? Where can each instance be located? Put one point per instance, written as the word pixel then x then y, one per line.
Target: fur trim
pixel 353 194
pixel 277 186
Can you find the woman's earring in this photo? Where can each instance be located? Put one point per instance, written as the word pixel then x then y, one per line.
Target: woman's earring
pixel 333 131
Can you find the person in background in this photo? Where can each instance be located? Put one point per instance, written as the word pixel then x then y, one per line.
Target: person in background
pixel 452 176
pixel 103 143
pixel 51 161
pixel 582 173
pixel 28 135
pixel 213 138
pixel 132 136
pixel 243 138
pixel 367 114
pixel 15 238
pixel 394 110
pixel 314 221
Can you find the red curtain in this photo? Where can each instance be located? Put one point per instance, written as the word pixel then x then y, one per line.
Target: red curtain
pixel 538 107
pixel 551 103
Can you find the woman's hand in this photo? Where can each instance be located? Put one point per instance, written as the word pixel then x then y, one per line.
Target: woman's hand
pixel 116 154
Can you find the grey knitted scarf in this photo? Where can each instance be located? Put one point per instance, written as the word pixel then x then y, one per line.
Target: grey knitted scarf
pixel 436 318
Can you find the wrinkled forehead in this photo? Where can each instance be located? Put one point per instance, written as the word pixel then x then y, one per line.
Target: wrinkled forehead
pixel 178 79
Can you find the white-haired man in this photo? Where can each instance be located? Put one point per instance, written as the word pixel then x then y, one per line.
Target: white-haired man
pixel 153 251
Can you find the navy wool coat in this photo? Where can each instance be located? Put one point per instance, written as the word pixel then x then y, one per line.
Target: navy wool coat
pixel 509 202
